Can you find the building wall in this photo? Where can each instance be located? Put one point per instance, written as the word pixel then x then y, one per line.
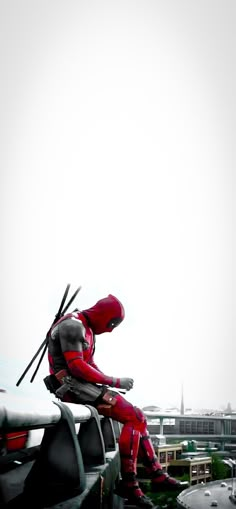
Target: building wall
pixel 193 426
pixel 197 470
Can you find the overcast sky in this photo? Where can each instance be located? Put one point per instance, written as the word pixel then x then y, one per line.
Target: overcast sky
pixel 117 137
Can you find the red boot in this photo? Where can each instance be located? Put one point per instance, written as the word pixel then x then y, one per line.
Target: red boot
pixel 134 495
pixel 163 482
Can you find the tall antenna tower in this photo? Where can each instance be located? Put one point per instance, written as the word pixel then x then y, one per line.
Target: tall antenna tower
pixel 182 400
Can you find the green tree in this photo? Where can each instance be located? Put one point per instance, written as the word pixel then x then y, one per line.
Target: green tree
pixel 219 469
pixel 164 499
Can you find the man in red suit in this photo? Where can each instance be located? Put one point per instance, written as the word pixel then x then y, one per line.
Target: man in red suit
pixel 71 357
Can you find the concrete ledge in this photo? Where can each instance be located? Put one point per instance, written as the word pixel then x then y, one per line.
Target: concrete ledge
pixel 70 468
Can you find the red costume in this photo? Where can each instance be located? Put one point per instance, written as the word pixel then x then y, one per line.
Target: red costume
pixel 71 350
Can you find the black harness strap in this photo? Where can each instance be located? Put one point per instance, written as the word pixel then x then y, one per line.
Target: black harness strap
pixel 44 344
pixel 60 313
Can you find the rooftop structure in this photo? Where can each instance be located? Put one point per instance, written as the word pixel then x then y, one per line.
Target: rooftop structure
pixel 199 469
pixel 214 494
pixel 217 429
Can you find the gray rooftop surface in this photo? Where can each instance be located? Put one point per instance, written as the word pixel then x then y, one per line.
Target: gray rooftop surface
pixel 195 497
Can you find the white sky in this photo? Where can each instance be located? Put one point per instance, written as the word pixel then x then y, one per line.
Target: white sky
pixel 117 134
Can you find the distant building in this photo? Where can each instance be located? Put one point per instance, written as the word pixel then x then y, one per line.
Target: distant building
pixel 198 469
pixel 189 426
pixel 228 409
pixel 151 408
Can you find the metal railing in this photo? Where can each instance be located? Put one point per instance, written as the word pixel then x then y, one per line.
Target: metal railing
pixel 76 462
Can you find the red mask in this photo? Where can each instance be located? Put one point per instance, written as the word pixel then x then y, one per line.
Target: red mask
pixel 106 314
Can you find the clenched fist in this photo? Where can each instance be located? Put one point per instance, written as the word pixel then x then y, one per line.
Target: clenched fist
pixel 126 383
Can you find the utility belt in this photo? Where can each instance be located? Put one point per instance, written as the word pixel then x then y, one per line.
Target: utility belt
pixel 62 383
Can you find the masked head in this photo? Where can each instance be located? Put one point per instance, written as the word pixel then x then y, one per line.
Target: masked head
pixel 105 315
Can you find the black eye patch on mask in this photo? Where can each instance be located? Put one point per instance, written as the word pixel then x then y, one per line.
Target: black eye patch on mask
pixel 114 322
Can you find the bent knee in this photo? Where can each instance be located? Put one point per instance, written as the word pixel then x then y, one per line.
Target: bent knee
pixel 140 421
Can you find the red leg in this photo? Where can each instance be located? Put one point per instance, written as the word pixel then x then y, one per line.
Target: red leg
pixel 134 423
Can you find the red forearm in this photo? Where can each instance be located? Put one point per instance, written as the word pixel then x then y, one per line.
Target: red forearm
pixel 115 381
pixel 92 363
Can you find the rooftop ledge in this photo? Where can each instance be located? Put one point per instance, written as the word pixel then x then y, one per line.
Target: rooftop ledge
pixel 17 412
